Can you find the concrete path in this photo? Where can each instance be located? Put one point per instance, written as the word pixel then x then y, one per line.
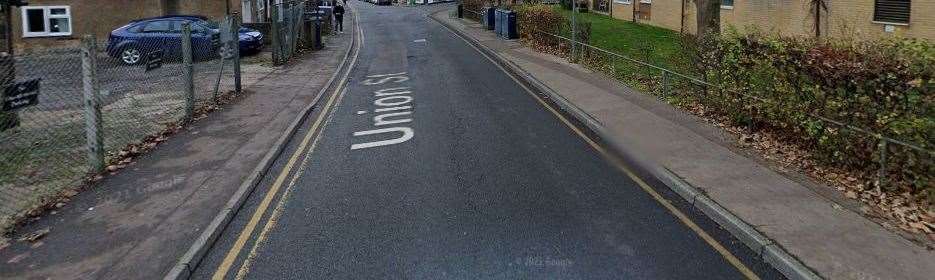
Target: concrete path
pixel 139 222
pixel 835 242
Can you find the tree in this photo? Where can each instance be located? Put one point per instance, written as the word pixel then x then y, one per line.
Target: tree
pixel 708 16
pixel 817 7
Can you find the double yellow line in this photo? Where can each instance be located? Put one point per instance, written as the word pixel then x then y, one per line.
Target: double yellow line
pixel 726 254
pixel 307 144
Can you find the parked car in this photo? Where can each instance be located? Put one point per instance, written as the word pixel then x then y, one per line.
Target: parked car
pixel 132 42
pixel 380 2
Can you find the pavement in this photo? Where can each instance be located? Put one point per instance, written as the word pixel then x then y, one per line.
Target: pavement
pixel 803 218
pixel 432 163
pixel 137 223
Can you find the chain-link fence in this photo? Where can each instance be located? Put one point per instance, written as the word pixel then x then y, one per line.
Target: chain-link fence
pixel 298 25
pixel 72 112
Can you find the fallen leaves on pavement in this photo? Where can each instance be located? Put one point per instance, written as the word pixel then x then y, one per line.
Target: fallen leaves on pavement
pixel 34 236
pixel 900 210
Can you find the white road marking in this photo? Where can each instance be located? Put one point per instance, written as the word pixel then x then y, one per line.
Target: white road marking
pixel 392 107
pixel 407 134
pixel 386 75
pixel 398 100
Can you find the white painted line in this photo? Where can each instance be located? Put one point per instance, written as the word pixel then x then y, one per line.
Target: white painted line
pixel 407 134
pixel 386 75
pixel 393 109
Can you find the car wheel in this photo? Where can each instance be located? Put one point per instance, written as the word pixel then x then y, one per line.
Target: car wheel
pixel 131 56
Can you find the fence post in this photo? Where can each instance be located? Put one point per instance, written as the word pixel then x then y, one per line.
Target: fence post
pixel 274 33
pixel 574 31
pixel 882 173
pixel 92 104
pixel 235 22
pixel 188 71
pixel 751 113
pixel 665 83
pixel 8 119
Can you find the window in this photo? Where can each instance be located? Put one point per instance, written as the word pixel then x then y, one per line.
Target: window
pixel 727 4
pixel 197 28
pixel 891 11
pixel 136 28
pixel 159 26
pixel 43 21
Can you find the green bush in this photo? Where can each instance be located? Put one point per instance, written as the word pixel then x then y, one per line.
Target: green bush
pixel 582 5
pixel 475 5
pixel 885 87
pixel 534 19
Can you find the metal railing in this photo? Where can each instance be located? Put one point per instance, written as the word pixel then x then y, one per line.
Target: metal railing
pixel 667 76
pixel 474 15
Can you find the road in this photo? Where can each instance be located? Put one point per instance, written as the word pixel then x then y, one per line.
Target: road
pixel 433 163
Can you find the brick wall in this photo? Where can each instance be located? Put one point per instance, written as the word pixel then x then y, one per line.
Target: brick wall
pixel 87 17
pixel 100 17
pixel 855 18
pixel 845 18
pixel 623 11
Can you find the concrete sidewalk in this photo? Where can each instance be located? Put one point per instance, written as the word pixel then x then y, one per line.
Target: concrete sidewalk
pixel 138 223
pixel 803 219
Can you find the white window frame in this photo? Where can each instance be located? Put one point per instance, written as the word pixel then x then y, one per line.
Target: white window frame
pixel 625 2
pixel 46 16
pixel 729 7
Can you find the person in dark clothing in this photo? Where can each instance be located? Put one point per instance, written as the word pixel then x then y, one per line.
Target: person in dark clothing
pixel 339 17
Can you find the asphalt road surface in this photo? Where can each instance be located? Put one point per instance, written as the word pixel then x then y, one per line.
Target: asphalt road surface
pixel 435 164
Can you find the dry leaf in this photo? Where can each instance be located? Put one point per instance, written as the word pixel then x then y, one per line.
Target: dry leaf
pixel 36 235
pixel 850 194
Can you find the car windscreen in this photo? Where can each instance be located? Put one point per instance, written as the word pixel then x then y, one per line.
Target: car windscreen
pixel 210 24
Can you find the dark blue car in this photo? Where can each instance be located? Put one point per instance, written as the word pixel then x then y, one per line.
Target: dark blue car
pixel 132 42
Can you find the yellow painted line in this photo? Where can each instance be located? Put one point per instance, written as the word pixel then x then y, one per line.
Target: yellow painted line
pixel 277 212
pixel 248 230
pixel 740 266
pixel 245 234
pixel 658 197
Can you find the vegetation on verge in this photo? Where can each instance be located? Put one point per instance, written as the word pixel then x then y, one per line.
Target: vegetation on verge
pixel 886 87
pixel 806 93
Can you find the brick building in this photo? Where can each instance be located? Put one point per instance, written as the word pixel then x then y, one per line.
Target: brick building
pixel 843 18
pixel 47 24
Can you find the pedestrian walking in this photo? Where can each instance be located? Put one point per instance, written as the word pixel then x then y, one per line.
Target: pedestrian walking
pixel 339 17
